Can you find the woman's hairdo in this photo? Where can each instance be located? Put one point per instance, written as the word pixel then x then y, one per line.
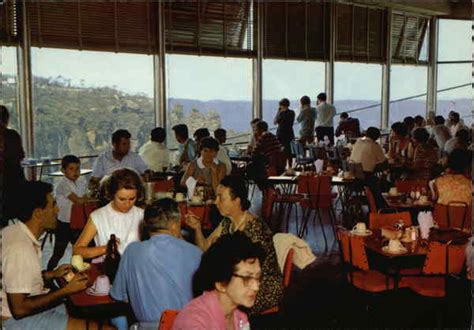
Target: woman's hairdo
pixel 124 179
pixel 237 189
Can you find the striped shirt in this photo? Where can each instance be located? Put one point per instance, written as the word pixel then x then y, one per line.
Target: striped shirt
pixel 267 144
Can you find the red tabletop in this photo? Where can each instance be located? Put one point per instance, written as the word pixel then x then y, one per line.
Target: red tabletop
pixel 80 213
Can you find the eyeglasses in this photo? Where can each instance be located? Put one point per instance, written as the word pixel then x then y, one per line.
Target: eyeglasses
pixel 248 279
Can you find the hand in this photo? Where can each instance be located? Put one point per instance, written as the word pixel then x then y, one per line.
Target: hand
pixel 193 221
pixel 77 284
pixel 61 271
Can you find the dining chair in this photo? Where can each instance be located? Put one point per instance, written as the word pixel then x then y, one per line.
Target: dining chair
pixel 456 215
pixel 274 200
pixel 167 319
pixel 379 220
pixel 297 149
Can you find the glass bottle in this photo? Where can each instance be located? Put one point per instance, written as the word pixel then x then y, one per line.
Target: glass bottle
pixel 112 258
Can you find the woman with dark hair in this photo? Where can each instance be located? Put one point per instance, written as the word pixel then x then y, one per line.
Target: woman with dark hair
pixel 233 204
pixel 120 217
pixel 425 157
pixel 399 141
pixel 228 277
pixel 206 170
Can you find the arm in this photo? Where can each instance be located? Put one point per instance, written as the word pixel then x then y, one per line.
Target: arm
pixel 277 118
pixel 76 199
pixel 203 243
pixel 189 172
pixel 300 117
pixel 81 246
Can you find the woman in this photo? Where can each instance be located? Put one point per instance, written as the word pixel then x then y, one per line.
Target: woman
pixel 425 158
pixel 230 276
pixel 233 204
pixel 285 119
pixel 455 184
pixel 207 170
pixel 120 217
pixel 399 141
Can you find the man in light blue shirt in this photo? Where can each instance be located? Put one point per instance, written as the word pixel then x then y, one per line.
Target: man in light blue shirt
pixel 156 274
pixel 187 147
pixel 118 157
pixel 325 118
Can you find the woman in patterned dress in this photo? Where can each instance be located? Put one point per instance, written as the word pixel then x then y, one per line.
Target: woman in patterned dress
pixel 233 204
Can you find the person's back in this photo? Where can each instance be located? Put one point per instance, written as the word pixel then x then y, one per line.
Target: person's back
pixel 326 113
pixel 367 152
pixel 441 135
pixel 155 275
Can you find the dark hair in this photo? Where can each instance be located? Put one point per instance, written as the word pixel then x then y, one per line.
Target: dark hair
pixel 120 134
pixel 322 96
pixel 400 129
pixel 262 126
pixel 409 121
pixel 254 121
pixel 237 189
pixel 373 133
pixel 158 134
pixel 439 120
pixel 200 134
pixel 454 116
pixel 69 159
pixel 219 262
pixel 220 133
pixel 344 115
pixel 463 135
pixel 160 215
pixel 4 115
pixel 419 120
pixel 124 179
pixel 209 142
pixel 421 135
pixel 285 102
pixel 181 130
pixel 33 196
pixel 459 160
pixel 304 100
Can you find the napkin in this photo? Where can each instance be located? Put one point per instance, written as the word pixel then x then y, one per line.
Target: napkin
pixel 425 220
pixel 191 185
pixel 318 164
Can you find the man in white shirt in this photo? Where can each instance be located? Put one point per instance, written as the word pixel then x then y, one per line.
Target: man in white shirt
pixel 118 157
pixel 368 152
pixel 26 302
pixel 220 135
pixel 325 118
pixel 155 153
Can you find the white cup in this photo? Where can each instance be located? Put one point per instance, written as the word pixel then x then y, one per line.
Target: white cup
pixel 393 191
pixel 394 245
pixel 360 227
pixel 102 284
pixel 77 262
pixel 196 199
pixel 180 197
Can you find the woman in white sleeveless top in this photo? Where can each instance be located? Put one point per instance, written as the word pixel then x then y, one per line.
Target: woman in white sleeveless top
pixel 120 217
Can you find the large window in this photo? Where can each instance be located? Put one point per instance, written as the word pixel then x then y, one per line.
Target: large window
pixel 80 98
pixel 212 92
pixel 408 86
pixel 9 84
pixel 358 90
pixel 291 80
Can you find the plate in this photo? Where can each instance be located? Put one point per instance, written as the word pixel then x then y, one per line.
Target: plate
pixel 386 250
pixel 368 232
pixel 90 291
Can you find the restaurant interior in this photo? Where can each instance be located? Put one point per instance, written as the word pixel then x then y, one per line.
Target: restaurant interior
pixel 359 197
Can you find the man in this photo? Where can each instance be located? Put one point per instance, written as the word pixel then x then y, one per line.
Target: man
pixel 253 139
pixel 200 134
pixel 349 126
pixel 220 135
pixel 156 274
pixel 306 118
pixel 368 152
pixel 285 118
pixel 187 147
pixel 118 157
pixel 455 123
pixel 440 133
pixel 269 148
pixel 26 303
pixel 325 118
pixel 155 153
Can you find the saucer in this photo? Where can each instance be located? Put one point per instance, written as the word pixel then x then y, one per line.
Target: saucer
pixel 90 291
pixel 368 232
pixel 402 251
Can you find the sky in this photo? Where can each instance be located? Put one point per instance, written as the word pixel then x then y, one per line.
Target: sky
pixel 207 78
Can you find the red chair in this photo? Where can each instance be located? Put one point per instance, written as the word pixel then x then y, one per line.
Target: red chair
pixel 456 215
pixel 406 186
pixel 167 319
pixel 80 213
pixel 164 186
pixel 379 220
pixel 371 200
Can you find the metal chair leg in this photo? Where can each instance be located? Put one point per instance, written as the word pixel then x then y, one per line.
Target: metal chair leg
pixel 318 214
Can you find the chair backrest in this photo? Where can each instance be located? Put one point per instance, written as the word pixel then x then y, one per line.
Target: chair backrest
pixel 167 319
pixel 378 220
pixel 318 189
pixel 406 186
pixel 352 249
pixel 371 200
pixel 438 262
pixel 454 215
pixel 164 186
pixel 288 268
pixel 269 198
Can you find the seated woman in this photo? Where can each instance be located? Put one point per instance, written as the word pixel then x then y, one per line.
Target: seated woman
pixel 228 277
pixel 399 146
pixel 207 170
pixel 425 158
pixel 120 217
pixel 455 184
pixel 233 204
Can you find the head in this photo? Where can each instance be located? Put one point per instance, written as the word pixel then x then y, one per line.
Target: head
pixel 463 135
pixel 220 135
pixel 200 134
pixel 305 101
pixel 71 167
pixel 399 129
pixel 208 148
pixel 121 142
pixel 158 134
pixel 459 160
pixel 253 124
pixel 162 216
pixel 261 128
pixel 344 116
pixel 284 103
pixel 232 267
pixel 181 133
pixel 322 97
pixel 38 204
pixel 232 196
pixel 4 116
pixel 373 133
pixel 419 121
pixel 454 117
pixel 439 120
pixel 421 135
pixel 124 188
pixel 409 122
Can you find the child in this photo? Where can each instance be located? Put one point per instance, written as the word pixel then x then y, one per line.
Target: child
pixel 70 190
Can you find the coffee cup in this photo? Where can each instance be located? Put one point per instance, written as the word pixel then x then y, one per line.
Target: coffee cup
pixel 101 284
pixel 393 191
pixel 77 262
pixel 360 227
pixel 423 199
pixel 180 197
pixel 394 245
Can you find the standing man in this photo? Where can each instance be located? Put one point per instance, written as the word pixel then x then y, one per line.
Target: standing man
pixel 325 118
pixel 306 118
pixel 285 118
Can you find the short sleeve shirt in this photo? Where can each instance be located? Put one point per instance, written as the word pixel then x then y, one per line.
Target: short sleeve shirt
pixel 64 188
pixel 105 164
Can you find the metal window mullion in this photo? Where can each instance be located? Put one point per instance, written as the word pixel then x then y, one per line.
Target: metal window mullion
pixel 386 68
pixel 257 65
pixel 329 69
pixel 432 87
pixel 159 67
